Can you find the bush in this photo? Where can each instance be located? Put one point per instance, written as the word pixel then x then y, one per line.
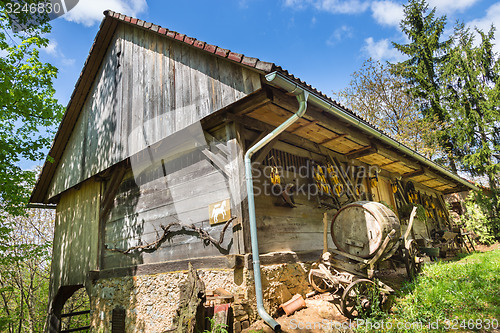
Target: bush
pixel 480 218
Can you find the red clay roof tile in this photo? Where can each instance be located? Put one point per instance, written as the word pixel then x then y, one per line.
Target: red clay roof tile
pixel 48 170
pixel 210 48
pixel 189 40
pixel 249 61
pixel 199 44
pixel 263 66
pixel 221 52
pixel 235 56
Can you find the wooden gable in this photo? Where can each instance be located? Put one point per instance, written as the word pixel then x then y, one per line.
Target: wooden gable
pixel 147 88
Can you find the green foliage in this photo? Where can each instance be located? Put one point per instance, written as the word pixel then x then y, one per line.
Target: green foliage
pixel 216 327
pixel 456 85
pixel 427 55
pixel 24 272
pixel 459 292
pixel 478 220
pixel 374 296
pixel 28 110
pixel 28 115
pixel 79 301
pixel 471 86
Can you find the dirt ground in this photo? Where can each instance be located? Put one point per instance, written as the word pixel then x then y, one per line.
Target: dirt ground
pixel 486 248
pixel 322 312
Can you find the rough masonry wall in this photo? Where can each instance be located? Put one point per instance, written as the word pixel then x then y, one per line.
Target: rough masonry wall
pixel 151 301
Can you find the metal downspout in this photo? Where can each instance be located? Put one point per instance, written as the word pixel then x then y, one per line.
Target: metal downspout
pixel 302 96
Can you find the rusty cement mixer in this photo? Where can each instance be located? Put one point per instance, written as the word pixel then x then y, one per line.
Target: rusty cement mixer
pixel 365 233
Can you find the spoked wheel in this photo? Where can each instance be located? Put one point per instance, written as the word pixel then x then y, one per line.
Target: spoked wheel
pixel 319 281
pixel 412 260
pixel 358 298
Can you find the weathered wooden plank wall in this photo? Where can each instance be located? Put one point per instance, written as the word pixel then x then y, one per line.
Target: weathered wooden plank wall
pixel 175 189
pixel 76 236
pixel 283 228
pixel 147 88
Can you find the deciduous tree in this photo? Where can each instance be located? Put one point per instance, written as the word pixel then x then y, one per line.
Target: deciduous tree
pixel 381 97
pixel 28 109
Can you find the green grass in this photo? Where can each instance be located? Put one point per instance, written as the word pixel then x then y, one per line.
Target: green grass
pixel 463 295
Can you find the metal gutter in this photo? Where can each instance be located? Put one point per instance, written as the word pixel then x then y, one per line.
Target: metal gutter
pixel 302 96
pixel 279 80
pixel 41 206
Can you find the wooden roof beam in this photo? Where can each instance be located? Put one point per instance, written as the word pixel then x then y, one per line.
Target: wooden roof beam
pixel 333 139
pixel 387 164
pixel 314 122
pixel 365 151
pixel 413 174
pixel 327 121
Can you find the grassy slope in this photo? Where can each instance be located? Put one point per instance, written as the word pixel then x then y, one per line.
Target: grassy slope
pixel 465 292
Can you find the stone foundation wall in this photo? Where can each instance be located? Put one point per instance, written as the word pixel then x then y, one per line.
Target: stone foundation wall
pixel 281 282
pixel 151 301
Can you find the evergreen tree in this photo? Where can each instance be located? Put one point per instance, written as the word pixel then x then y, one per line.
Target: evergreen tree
pixel 471 81
pixel 426 55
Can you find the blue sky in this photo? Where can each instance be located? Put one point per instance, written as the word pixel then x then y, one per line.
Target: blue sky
pixel 321 41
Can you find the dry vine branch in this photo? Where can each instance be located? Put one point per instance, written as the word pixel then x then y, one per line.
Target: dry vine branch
pixel 204 235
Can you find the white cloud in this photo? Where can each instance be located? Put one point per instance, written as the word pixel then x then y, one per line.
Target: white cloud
pixel 53 50
pixel 387 13
pixel 381 50
pixel 89 12
pixel 297 4
pixel 343 32
pixel 492 17
pixel 332 6
pixel 451 6
pixel 342 6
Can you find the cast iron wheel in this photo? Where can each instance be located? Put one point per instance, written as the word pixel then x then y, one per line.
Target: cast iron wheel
pixel 358 298
pixel 412 259
pixel 319 282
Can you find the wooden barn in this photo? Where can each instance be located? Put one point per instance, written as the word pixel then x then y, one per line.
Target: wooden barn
pixel 148 175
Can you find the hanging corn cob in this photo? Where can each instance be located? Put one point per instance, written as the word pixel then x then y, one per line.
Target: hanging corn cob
pixel 321 181
pixel 334 179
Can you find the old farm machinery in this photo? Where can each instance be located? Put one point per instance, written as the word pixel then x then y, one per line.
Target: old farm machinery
pixel 365 233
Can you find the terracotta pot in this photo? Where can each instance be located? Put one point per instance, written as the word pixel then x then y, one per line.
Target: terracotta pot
pixel 296 303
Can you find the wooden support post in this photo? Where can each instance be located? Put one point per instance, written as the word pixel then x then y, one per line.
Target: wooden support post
pixel 325 232
pixel 261 155
pixel 219 161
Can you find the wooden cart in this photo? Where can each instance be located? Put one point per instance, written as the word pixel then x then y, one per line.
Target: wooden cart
pixel 351 276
